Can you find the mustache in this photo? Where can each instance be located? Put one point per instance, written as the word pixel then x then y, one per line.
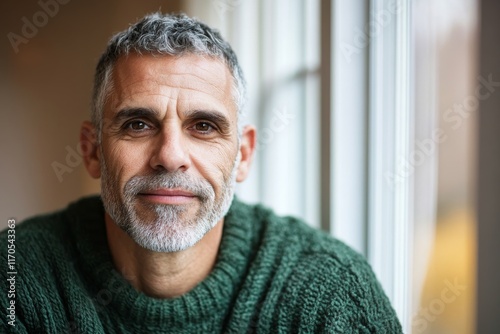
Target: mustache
pixel 167 180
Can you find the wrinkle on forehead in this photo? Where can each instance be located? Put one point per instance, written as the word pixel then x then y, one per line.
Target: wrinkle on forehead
pixel 189 71
pixel 166 75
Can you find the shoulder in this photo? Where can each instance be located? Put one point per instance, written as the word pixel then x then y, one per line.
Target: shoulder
pixel 43 241
pixel 44 263
pixel 51 227
pixel 36 233
pixel 316 252
pixel 325 284
pixel 296 235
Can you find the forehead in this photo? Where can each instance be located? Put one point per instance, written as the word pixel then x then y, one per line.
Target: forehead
pixel 189 79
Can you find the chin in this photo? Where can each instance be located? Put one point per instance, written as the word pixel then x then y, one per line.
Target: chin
pixel 167 239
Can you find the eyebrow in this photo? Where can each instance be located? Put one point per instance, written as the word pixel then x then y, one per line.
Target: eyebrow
pixel 213 116
pixel 127 113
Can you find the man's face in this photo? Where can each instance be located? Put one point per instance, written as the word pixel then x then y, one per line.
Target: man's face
pixel 169 150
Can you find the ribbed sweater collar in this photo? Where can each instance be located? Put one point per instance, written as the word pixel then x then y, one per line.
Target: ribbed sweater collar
pixel 213 297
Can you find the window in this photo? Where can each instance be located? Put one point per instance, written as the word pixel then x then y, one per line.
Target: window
pixel 346 98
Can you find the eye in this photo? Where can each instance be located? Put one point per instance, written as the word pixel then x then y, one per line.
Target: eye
pixel 136 126
pixel 203 127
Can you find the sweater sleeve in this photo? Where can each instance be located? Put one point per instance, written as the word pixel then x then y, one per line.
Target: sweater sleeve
pixel 328 295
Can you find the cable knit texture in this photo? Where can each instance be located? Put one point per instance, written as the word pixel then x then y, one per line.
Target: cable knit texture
pixel 272 275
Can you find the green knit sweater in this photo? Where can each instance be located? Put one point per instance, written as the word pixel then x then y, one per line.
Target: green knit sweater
pixel 272 275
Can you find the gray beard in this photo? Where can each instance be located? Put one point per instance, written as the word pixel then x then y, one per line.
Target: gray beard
pixel 164 227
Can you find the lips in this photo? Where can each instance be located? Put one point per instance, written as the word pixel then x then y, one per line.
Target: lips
pixel 168 196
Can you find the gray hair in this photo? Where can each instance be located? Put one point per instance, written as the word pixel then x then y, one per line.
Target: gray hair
pixel 158 34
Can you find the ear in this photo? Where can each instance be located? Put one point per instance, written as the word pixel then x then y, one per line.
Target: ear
pixel 90 149
pixel 247 149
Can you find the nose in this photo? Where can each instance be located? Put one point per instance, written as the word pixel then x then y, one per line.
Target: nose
pixel 170 153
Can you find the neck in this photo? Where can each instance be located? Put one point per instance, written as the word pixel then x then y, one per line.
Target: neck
pixel 163 275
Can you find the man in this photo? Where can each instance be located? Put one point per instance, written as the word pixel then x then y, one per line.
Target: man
pixel 166 248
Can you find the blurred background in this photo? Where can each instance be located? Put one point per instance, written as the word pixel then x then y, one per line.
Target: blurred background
pixel 378 123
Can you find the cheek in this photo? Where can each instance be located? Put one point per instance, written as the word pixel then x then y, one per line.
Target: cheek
pixel 124 161
pixel 214 163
